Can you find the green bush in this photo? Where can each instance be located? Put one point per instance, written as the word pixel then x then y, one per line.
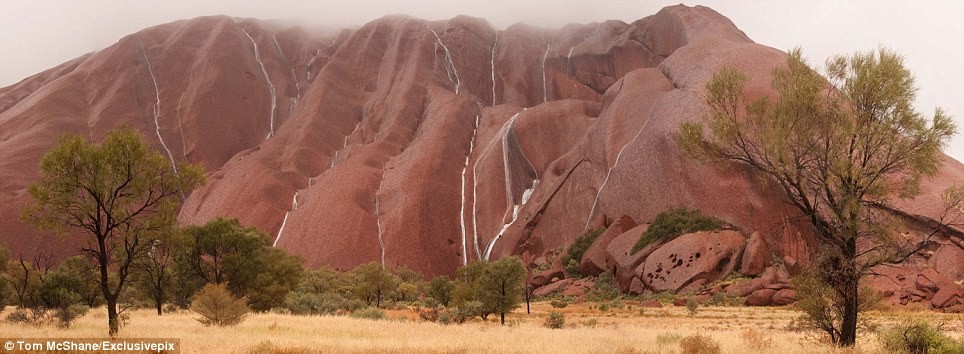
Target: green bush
pixel 605 288
pixel 918 337
pixel 699 344
pixel 555 320
pixel 558 304
pixel 692 307
pixel 570 260
pixel 673 223
pixel 304 303
pixel 369 313
pixel 219 307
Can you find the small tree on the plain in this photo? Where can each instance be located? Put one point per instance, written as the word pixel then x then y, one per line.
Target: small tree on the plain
pixel 219 307
pixel 119 194
pixel 440 288
pixel 843 154
pixel 374 283
pixel 501 285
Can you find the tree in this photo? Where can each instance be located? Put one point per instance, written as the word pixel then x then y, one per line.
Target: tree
pixel 223 251
pixel 220 250
pixel 501 285
pixel 440 288
pixel 82 268
pixel 219 307
pixel 119 194
pixel 374 283
pixel 156 273
pixel 843 154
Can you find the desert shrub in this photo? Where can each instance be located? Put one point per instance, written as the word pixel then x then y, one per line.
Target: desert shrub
pixel 219 307
pixel 822 306
pixel 667 338
pixel 699 344
pixel 605 288
pixel 570 260
pixel 66 316
pixel 755 340
pixel 603 307
pixel 20 316
pixel 302 303
pixel 558 304
pixel 555 320
pixel 673 223
pixel 918 337
pixel 692 307
pixel 369 313
pixel 591 323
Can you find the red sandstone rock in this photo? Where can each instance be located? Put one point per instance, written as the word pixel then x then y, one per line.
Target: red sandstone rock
pixel 579 288
pixel 948 295
pixel 762 297
pixel 948 260
pixel 701 256
pixel 784 297
pixel 756 256
pixel 545 277
pixel 365 156
pixel 594 260
pixel 650 304
pixel 553 288
pixel 636 287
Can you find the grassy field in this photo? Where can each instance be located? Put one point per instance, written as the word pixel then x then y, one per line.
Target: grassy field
pixel 617 330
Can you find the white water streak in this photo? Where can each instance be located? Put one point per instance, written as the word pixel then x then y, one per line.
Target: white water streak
pixel 157 108
pixel 618 156
pixel 569 57
pixel 508 178
pixel 378 219
pixel 465 166
pixel 545 86
pixel 180 128
pixel 475 182
pixel 267 79
pixel 294 206
pixel 449 64
pixel 494 44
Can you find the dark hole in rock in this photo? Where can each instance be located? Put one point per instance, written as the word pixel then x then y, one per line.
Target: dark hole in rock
pixel 697 255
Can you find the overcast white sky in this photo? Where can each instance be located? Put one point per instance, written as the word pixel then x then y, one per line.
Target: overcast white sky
pixel 36 35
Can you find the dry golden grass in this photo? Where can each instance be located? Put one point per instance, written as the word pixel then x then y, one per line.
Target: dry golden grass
pixel 624 330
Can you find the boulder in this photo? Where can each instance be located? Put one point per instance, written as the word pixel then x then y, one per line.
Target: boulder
pixel 756 256
pixel 618 256
pixel 792 265
pixel 599 222
pixel 784 297
pixel 949 261
pixel 701 256
pixel 545 277
pixel 948 295
pixel 928 280
pixel 745 288
pixel 552 288
pixel 594 260
pixel 762 297
pixel 650 303
pixel 579 288
pixel 636 287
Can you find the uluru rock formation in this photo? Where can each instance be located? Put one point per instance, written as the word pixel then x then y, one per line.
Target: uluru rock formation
pixel 423 144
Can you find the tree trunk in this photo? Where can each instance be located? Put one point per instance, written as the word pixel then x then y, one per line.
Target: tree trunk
pixel 502 317
pixel 159 301
pixel 848 325
pixel 528 311
pixel 113 324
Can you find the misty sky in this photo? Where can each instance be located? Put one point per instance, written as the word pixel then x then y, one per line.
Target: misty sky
pixel 36 35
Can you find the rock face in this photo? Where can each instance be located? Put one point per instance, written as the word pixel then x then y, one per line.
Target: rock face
pixel 693 260
pixel 756 256
pixel 417 143
pixel 594 260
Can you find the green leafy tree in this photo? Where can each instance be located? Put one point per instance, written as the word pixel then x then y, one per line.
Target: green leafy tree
pixel 277 274
pixel 221 250
pixel 156 275
pixel 440 288
pixel 843 153
pixel 119 195
pixel 374 283
pixel 501 285
pixel 81 267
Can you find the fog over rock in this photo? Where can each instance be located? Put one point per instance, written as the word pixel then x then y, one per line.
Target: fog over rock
pixel 416 143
